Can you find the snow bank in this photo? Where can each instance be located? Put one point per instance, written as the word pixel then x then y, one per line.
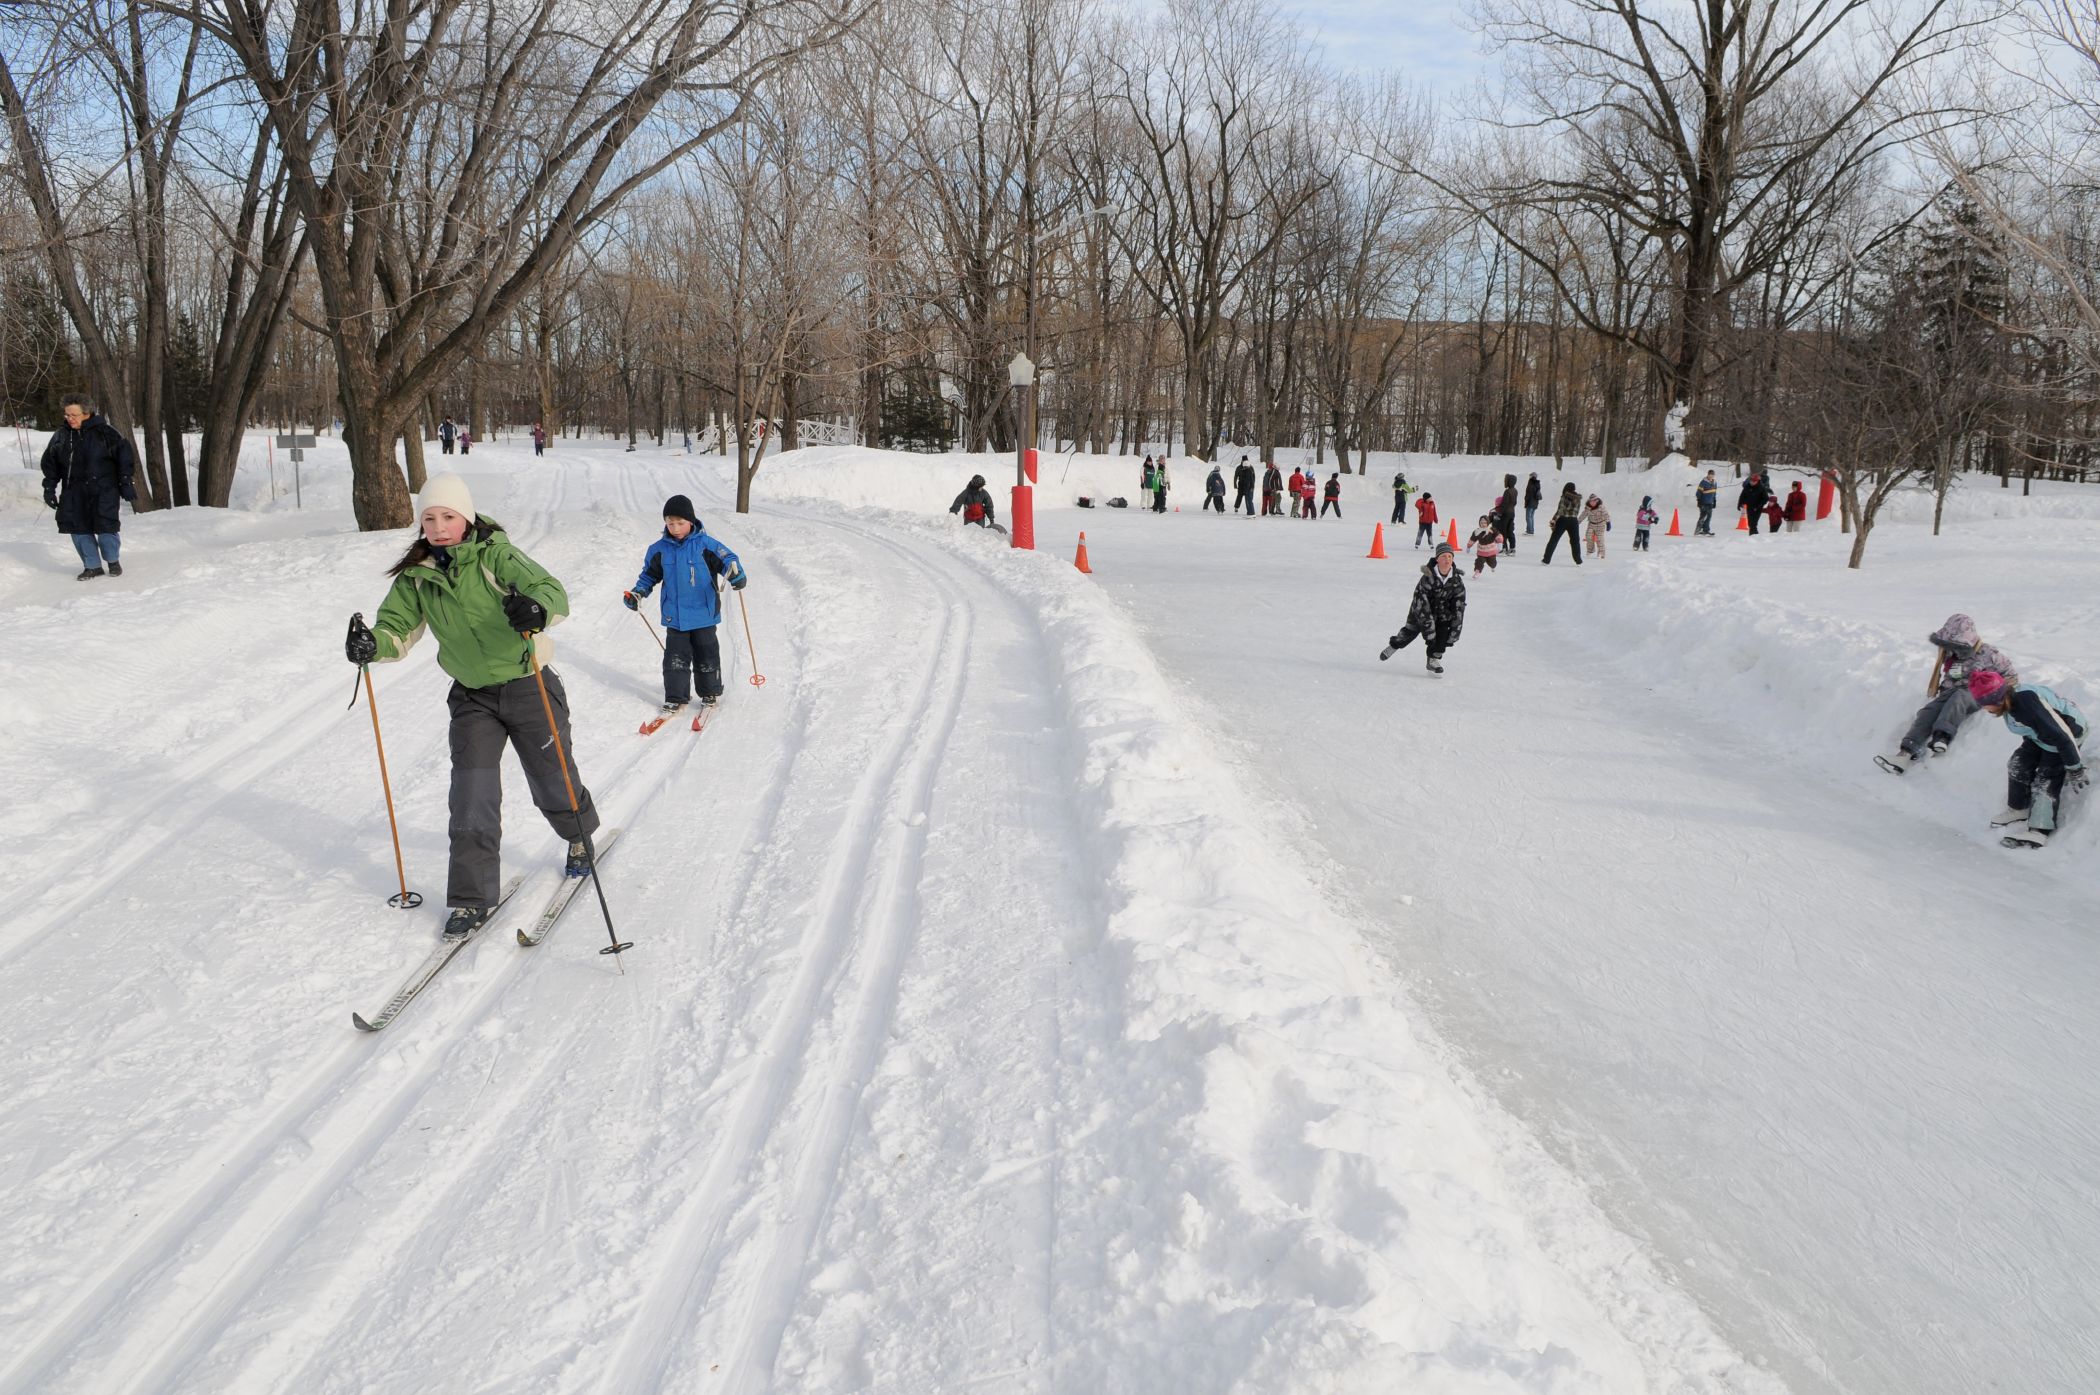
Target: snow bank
pixel 1267 1181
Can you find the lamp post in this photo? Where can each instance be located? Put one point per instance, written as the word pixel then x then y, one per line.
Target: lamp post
pixel 1021 373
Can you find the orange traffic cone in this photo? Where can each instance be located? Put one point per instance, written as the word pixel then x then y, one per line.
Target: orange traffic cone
pixel 1377 542
pixel 1675 531
pixel 1452 536
pixel 1080 560
pixel 1742 520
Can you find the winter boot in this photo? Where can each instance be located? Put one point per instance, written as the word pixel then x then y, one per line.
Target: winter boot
pixel 2008 816
pixel 1938 745
pixel 1436 662
pixel 91 572
pixel 711 700
pixel 2027 838
pixel 579 863
pixel 116 569
pixel 671 708
pixel 465 920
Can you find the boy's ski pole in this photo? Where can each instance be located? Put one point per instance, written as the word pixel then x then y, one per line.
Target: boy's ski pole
pixel 532 653
pixel 652 630
pixel 758 680
pixel 404 899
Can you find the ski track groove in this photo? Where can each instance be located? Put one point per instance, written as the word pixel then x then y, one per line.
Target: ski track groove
pixel 305 1113
pixel 684 1281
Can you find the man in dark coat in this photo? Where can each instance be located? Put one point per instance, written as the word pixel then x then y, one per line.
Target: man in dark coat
pixel 1506 514
pixel 1756 494
pixel 1532 494
pixel 88 467
pixel 1438 611
pixel 1243 487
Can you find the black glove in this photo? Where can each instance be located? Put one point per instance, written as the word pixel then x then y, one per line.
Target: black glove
pixel 128 493
pixel 630 600
pixel 736 583
pixel 361 646
pixel 50 499
pixel 526 615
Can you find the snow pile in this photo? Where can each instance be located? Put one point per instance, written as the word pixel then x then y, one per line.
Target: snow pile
pixel 1753 635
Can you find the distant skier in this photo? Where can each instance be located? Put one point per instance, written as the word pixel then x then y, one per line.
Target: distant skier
pixel 1438 611
pixel 2050 729
pixel 975 504
pixel 477 592
pixel 1796 508
pixel 1565 511
pixel 1214 489
pixel 1596 520
pixel 1961 653
pixel 1309 491
pixel 1425 518
pixel 1486 543
pixel 1243 487
pixel 446 434
pixel 1297 487
pixel 1333 497
pixel 1505 513
pixel 1159 486
pixel 1533 492
pixel 686 561
pixel 1644 518
pixel 539 439
pixel 1271 491
pixel 1401 489
pixel 1706 496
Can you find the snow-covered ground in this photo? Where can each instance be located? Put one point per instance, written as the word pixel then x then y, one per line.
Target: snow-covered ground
pixel 1047 982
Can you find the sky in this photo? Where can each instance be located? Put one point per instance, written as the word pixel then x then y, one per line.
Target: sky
pixel 1430 42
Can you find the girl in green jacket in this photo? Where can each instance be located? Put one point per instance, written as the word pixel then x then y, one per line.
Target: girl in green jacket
pixel 489 605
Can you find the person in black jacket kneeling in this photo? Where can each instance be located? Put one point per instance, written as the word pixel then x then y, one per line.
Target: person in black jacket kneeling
pixel 975 504
pixel 1438 611
pixel 88 467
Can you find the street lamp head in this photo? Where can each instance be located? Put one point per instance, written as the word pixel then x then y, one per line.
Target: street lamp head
pixel 1020 372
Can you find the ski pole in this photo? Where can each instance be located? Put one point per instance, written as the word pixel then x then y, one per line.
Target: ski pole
pixel 652 630
pixel 546 705
pixel 758 680
pixel 406 899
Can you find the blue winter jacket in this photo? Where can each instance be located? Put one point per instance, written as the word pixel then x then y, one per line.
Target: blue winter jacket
pixel 2054 723
pixel 688 570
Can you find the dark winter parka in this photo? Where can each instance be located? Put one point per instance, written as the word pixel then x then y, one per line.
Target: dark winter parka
pixel 1243 477
pixel 1756 494
pixel 1506 511
pixel 1215 485
pixel 1532 492
pixel 974 503
pixel 1438 611
pixel 94 465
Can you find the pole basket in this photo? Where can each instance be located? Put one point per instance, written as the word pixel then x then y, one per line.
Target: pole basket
pixel 405 900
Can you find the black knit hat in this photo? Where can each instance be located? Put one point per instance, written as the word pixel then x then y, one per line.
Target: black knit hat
pixel 678 506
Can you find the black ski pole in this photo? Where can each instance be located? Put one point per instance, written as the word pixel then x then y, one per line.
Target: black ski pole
pixel 575 810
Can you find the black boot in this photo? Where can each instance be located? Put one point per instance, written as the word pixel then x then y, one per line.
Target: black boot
pixel 116 569
pixel 90 572
pixel 465 920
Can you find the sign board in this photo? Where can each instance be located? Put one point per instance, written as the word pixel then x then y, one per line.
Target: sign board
pixel 295 441
pixel 298 454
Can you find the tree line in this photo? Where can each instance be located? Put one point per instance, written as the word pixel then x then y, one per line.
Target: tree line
pixel 1827 233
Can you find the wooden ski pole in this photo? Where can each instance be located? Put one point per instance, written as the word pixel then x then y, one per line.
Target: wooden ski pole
pixel 758 680
pixel 553 730
pixel 406 899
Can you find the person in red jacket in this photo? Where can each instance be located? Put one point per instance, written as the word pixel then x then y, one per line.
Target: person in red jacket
pixel 1774 516
pixel 1297 484
pixel 1796 508
pixel 1425 519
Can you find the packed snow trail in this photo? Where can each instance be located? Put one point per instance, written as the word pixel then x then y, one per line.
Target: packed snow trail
pixel 1837 1061
pixel 974 1034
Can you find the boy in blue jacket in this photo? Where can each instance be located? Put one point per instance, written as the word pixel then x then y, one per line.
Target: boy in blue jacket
pixel 685 561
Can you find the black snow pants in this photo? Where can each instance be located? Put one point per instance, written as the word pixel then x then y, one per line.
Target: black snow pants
pixel 1563 528
pixel 692 658
pixel 484 721
pixel 1334 504
pixel 1244 496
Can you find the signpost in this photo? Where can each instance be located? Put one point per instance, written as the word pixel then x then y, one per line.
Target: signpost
pixel 296 446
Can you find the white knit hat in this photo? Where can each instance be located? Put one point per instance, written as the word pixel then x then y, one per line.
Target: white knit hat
pixel 446 492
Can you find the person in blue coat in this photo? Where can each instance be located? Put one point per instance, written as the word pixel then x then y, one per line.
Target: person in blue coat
pixel 686 562
pixel 2047 761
